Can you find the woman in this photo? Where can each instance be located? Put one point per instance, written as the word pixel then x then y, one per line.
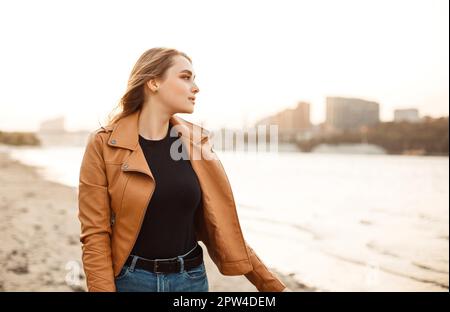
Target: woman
pixel 146 198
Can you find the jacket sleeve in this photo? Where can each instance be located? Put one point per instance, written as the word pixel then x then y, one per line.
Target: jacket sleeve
pixel 94 216
pixel 260 276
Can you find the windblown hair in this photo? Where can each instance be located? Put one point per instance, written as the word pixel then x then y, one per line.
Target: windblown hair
pixel 153 63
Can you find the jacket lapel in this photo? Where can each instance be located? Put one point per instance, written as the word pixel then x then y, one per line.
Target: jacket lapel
pixel 125 134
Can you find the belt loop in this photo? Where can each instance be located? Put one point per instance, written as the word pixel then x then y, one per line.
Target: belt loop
pixel 133 263
pixel 181 260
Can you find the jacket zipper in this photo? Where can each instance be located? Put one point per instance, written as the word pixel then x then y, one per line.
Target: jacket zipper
pixel 142 216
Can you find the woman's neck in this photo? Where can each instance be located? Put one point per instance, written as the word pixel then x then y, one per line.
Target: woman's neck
pixel 153 123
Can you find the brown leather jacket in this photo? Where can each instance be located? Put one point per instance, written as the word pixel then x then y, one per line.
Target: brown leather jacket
pixel 116 185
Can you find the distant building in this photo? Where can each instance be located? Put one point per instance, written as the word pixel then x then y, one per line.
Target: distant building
pixel 410 114
pixel 52 132
pixel 350 113
pixel 292 122
pixel 53 125
pixel 302 120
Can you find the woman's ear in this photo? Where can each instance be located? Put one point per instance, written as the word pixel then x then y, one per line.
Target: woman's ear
pixel 152 85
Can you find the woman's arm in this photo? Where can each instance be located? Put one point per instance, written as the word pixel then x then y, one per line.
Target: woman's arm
pixel 94 215
pixel 261 277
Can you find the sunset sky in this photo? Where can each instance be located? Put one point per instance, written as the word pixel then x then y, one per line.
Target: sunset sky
pixel 251 58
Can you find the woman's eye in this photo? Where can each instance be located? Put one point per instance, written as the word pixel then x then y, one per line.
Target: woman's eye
pixel 187 77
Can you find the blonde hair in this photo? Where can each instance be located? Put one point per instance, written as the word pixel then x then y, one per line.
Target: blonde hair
pixel 153 63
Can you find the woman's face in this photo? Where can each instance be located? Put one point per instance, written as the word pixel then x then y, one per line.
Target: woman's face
pixel 176 92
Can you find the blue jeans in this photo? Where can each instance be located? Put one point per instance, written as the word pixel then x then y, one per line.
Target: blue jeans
pixel 139 280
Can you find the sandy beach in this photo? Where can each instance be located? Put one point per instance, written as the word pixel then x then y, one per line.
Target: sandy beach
pixel 40 232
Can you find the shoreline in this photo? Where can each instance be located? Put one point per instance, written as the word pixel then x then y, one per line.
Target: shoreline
pixel 40 229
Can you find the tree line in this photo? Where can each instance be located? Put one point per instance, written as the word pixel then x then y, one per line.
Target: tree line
pixel 428 137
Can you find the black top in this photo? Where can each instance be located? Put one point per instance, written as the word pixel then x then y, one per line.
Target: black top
pixel 168 227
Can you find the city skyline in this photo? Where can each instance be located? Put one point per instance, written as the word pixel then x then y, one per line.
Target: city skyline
pixel 58 123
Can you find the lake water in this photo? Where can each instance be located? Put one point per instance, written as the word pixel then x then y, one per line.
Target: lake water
pixel 337 222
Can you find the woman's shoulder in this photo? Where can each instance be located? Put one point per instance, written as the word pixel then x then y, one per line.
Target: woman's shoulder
pixel 194 127
pixel 100 134
pixel 105 129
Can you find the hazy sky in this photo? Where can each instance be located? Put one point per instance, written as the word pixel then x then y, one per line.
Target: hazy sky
pixel 252 58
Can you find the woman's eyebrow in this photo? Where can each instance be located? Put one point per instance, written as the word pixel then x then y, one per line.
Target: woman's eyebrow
pixel 187 71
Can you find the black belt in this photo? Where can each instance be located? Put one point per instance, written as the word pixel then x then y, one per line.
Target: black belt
pixel 193 259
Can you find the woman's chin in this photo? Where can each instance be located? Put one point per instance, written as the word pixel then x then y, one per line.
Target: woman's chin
pixel 188 110
pixel 185 109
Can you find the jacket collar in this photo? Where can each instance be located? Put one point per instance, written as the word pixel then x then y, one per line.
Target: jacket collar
pixel 125 132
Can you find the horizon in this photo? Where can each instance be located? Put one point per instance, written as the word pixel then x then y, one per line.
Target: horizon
pixel 236 128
